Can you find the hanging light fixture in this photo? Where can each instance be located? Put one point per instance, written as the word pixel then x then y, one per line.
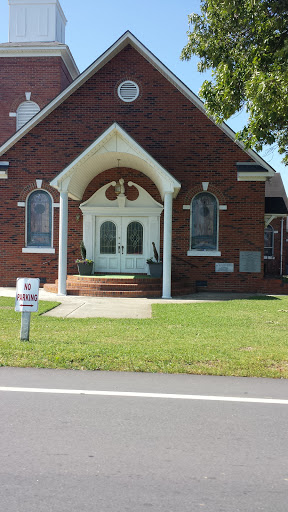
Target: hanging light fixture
pixel 118 185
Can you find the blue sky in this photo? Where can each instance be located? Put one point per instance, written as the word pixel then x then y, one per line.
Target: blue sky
pixel 160 25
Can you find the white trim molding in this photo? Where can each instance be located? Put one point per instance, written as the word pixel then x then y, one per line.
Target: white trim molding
pixel 203 253
pixel 222 207
pixel 41 50
pixel 269 217
pixel 248 176
pixel 253 171
pixel 39 250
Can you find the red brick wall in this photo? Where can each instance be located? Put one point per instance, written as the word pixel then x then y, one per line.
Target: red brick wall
pixel 167 125
pixel 44 77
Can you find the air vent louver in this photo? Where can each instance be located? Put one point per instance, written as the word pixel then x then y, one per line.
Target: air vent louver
pixel 128 91
pixel 25 112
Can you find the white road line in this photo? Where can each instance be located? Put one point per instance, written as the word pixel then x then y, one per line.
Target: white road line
pixel 147 395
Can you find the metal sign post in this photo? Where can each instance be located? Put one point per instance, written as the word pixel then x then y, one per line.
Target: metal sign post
pixel 27 294
pixel 25 325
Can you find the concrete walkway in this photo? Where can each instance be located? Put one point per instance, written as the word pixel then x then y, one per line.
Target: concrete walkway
pixel 109 307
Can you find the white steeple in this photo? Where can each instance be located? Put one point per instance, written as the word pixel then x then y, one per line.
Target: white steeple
pixel 36 21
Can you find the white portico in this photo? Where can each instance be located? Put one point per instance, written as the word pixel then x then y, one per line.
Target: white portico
pixel 133 225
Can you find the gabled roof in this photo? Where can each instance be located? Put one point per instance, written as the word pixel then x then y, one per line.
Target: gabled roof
pixel 114 145
pixel 275 188
pixel 276 200
pixel 124 40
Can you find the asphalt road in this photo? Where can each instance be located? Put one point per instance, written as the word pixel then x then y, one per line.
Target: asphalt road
pixel 78 452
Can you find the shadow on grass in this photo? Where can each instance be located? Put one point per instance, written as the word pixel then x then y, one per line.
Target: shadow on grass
pixel 263 297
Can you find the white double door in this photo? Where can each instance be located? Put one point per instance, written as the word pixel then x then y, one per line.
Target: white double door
pixel 121 244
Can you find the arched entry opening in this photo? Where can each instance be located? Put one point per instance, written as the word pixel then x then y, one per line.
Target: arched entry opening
pixel 114 145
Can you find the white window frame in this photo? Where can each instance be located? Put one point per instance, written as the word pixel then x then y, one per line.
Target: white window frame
pixel 195 252
pixel 40 249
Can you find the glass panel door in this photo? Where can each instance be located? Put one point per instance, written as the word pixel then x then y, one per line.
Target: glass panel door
pixel 134 238
pixel 133 245
pixel 108 238
pixel 107 249
pixel 121 245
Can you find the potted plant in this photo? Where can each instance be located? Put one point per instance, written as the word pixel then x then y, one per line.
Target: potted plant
pixel 84 265
pixel 155 266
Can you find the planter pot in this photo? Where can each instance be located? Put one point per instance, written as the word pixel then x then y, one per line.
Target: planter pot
pixel 156 269
pixel 85 269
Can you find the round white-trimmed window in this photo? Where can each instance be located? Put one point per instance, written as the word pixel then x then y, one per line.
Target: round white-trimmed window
pixel 128 91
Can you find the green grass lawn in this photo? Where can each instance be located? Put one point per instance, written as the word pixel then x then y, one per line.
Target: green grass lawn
pixel 239 337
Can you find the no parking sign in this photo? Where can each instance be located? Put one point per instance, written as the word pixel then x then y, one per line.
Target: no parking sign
pixel 27 293
pixel 26 301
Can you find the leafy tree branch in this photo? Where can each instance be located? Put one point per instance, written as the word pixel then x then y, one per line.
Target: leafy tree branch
pixel 245 45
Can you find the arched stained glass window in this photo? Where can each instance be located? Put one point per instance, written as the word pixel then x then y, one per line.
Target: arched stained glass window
pixel 108 238
pixel 269 242
pixel 134 238
pixel 39 219
pixel 204 222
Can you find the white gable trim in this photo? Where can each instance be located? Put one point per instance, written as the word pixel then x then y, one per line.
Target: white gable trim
pixel 124 40
pixel 41 50
pixel 113 145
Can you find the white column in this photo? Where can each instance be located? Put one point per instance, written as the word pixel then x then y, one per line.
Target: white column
pixel 281 248
pixel 63 236
pixel 88 236
pixel 167 245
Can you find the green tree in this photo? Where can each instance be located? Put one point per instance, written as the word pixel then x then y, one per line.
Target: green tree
pixel 245 44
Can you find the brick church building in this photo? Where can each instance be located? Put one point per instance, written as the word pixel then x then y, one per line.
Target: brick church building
pixel 124 157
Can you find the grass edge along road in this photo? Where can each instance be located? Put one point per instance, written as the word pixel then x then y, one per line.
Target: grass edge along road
pixel 246 337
